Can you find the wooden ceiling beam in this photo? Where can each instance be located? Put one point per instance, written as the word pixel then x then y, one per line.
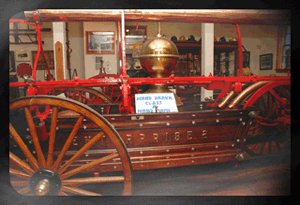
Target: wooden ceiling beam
pixel 238 16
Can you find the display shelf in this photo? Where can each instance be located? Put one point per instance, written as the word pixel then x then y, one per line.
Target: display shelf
pixel 194 47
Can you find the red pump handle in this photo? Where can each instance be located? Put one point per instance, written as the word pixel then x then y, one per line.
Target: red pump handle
pixel 240 45
pixel 40 47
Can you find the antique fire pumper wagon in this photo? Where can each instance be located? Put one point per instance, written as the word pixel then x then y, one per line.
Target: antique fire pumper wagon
pixel 53 140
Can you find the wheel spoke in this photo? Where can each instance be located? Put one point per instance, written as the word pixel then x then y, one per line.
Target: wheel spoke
pixel 262 148
pixel 103 90
pixel 79 191
pixel 278 146
pixel 52 137
pixel 84 99
pixel 21 163
pixel 61 193
pixel 253 147
pixel 80 96
pixel 89 165
pixel 270 104
pixel 93 99
pixel 265 106
pixel 35 138
pixel 80 152
pixel 24 149
pixel 94 96
pixel 90 180
pixel 67 94
pixel 68 142
pixel 118 98
pixel 24 190
pixel 270 147
pixel 19 183
pixel 284 92
pixel 74 95
pixel 18 173
pixel 275 95
pixel 112 92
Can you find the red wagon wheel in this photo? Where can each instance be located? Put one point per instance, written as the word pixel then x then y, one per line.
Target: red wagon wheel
pixel 269 132
pixel 114 92
pixel 35 169
pixel 85 96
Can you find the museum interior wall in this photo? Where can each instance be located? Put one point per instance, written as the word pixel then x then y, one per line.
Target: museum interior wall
pixel 258 39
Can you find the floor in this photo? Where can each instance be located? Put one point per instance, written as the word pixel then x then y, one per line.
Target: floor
pixel 222 183
pixel 263 176
pixel 256 177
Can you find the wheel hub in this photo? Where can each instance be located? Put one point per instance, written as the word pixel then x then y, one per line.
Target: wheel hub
pixel 45 182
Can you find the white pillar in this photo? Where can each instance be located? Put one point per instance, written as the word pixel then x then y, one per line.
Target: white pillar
pixel 207 55
pixel 59 35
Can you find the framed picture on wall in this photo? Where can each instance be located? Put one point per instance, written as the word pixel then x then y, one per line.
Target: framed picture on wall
pixel 22 55
pixel 41 62
pixel 266 61
pixel 100 42
pixel 135 35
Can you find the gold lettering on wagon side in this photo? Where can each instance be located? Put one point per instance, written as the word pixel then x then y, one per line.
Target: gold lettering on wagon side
pixel 102 140
pixel 155 138
pixel 142 137
pixel 177 136
pixel 87 139
pixel 204 134
pixel 75 143
pixel 189 135
pixel 129 139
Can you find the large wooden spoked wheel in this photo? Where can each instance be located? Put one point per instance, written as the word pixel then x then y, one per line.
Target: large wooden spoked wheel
pixel 269 133
pixel 35 169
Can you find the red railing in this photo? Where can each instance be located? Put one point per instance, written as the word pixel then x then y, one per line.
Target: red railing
pixel 210 82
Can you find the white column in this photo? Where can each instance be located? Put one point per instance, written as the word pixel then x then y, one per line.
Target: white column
pixel 59 34
pixel 207 55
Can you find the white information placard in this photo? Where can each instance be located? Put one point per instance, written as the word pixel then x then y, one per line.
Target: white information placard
pixel 145 103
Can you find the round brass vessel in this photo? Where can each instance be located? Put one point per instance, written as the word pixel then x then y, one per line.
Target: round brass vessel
pixel 159 57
